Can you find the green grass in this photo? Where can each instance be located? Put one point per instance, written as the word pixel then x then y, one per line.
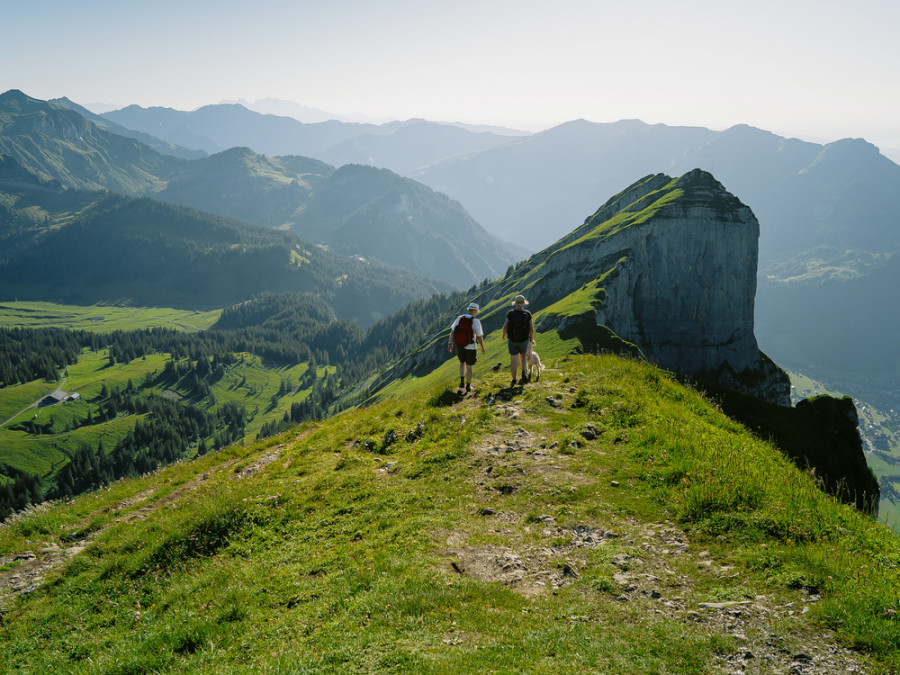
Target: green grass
pixel 312 552
pixel 93 371
pixel 102 318
pixel 260 384
pixel 41 454
pixel 16 398
pixel 634 214
pixel 250 383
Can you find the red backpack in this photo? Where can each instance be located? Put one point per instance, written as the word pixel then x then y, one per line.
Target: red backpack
pixel 464 333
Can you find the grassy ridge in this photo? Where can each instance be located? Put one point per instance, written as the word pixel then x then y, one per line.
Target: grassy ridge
pixel 595 520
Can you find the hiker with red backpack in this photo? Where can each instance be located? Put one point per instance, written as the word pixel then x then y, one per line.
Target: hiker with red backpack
pixel 518 331
pixel 466 335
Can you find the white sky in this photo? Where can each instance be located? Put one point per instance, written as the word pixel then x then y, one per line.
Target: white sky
pixel 814 69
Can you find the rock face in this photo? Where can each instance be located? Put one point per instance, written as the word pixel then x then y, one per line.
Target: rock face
pixel 821 436
pixel 677 260
pixel 665 269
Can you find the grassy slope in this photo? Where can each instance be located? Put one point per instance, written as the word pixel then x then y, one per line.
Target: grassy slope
pixel 490 536
pixel 103 318
pixel 39 453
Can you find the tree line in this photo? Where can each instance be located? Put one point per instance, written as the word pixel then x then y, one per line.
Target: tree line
pixel 281 328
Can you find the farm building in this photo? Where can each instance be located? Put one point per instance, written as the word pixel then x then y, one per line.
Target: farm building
pixel 53 399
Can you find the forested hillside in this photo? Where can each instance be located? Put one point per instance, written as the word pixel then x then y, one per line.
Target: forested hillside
pixel 379 216
pixel 148 397
pixel 85 247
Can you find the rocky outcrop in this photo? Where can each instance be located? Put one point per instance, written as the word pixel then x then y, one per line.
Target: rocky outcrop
pixel 677 260
pixel 820 435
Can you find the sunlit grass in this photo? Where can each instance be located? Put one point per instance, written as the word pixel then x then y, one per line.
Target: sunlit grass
pixel 335 554
pixel 102 318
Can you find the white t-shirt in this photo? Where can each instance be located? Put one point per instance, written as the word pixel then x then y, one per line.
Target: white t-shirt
pixel 476 329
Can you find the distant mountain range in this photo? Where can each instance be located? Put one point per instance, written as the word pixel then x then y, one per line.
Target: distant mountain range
pixel 828 213
pixel 529 189
pixel 83 247
pixel 161 146
pixel 402 147
pixel 393 219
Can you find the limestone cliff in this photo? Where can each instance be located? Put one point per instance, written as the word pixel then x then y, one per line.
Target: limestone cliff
pixel 667 270
pixel 676 260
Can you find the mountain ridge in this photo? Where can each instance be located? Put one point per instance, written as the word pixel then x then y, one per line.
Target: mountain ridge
pixel 95 246
pixel 667 265
pixel 605 518
pixel 57 142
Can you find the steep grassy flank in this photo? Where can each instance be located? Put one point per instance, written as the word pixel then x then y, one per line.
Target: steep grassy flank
pixel 604 519
pixel 51 141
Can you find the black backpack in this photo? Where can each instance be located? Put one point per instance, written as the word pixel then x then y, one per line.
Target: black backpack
pixel 518 325
pixel 464 333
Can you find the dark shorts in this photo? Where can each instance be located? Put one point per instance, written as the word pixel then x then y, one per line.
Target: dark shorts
pixel 468 356
pixel 517 347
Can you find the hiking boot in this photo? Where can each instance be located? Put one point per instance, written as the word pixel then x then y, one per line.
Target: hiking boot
pixel 513 383
pixel 462 382
pixel 524 379
pixel 468 387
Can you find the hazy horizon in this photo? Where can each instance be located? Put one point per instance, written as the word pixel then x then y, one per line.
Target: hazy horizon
pixel 819 71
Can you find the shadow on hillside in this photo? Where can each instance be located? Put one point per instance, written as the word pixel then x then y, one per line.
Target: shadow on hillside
pixel 446 398
pixel 820 435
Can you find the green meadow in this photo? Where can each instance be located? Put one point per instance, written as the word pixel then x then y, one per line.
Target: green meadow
pixel 102 318
pixel 249 382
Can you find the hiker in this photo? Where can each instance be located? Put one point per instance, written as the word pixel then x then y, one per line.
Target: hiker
pixel 518 331
pixel 466 335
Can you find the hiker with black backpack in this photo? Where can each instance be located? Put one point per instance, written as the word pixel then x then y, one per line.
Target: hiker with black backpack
pixel 466 335
pixel 518 331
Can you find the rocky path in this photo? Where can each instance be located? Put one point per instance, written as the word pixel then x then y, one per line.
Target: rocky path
pixel 654 566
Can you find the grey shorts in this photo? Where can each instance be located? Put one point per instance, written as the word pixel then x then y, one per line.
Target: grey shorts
pixel 517 347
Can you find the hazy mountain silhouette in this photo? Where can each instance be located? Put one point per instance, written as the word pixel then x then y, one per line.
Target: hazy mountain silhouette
pixel 214 128
pixel 161 146
pixel 410 146
pixel 392 219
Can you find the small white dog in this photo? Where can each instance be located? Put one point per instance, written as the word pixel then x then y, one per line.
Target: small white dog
pixel 535 366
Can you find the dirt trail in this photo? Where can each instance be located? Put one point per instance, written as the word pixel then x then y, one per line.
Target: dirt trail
pixel 649 565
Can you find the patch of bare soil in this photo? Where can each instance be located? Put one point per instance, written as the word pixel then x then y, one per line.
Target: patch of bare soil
pixel 653 568
pixel 270 456
pixel 526 572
